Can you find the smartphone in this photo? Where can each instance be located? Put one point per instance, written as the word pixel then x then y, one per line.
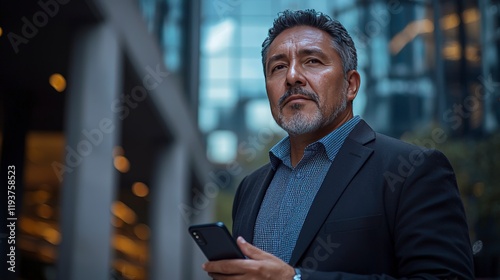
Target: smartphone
pixel 215 241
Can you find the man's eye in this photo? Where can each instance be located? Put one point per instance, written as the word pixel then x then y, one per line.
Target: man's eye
pixel 313 60
pixel 278 67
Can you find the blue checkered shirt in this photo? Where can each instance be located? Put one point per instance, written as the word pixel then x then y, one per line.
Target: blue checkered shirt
pixel 292 191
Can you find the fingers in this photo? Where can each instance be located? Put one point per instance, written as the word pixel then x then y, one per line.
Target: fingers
pixel 251 251
pixel 228 267
pixel 259 265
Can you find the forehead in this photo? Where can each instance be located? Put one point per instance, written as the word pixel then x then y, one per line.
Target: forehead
pixel 299 37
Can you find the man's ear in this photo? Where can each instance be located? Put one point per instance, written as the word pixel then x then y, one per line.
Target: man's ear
pixel 353 81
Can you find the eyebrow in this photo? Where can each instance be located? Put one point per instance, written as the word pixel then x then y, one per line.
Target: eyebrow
pixel 305 51
pixel 315 51
pixel 273 59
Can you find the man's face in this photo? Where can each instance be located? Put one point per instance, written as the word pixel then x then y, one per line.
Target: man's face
pixel 305 82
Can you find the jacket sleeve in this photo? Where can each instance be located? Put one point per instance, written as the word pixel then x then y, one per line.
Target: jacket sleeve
pixel 431 239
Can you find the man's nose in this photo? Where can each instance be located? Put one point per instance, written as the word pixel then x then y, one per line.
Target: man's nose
pixel 294 75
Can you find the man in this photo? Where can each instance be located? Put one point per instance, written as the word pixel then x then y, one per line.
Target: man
pixel 337 200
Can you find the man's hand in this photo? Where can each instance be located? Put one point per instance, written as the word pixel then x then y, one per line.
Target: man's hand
pixel 260 265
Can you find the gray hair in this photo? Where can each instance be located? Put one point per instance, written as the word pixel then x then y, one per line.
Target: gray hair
pixel 341 40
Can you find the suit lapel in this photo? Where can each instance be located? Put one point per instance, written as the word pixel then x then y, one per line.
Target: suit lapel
pixel 348 161
pixel 258 193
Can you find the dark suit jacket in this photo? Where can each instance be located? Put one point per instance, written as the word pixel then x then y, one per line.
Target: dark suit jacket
pixel 386 209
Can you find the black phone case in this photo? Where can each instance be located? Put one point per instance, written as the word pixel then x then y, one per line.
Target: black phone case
pixel 215 241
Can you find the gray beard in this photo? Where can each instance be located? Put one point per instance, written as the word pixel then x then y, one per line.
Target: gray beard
pixel 301 123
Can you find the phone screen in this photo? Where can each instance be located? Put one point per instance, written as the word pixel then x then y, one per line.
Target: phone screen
pixel 215 241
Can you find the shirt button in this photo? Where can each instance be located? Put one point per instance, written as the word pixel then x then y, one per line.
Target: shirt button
pixel 299 175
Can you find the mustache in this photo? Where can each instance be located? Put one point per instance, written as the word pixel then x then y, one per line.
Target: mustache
pixel 297 91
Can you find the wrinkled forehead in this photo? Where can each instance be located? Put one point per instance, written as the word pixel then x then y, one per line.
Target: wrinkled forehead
pixel 297 38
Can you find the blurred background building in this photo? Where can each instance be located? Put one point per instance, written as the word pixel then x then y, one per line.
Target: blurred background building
pixel 128 120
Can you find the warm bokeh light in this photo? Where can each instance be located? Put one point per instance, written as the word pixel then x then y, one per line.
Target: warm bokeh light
pixel 423 26
pixel 122 164
pixel 450 21
pixel 41 226
pixel 131 247
pixel 142 231
pixel 51 235
pixel 412 30
pixel 452 51
pixel 453 20
pixel 129 270
pixel 1 32
pixel 472 53
pixel 41 196
pixel 140 189
pixel 28 225
pixel 58 82
pixel 44 211
pixel 471 15
pixel 122 211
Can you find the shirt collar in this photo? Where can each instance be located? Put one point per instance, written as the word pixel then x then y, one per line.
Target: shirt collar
pixel 331 143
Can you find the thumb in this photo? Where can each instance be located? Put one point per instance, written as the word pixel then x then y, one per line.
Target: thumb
pixel 249 250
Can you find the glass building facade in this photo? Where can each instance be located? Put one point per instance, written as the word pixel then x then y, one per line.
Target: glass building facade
pixel 416 59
